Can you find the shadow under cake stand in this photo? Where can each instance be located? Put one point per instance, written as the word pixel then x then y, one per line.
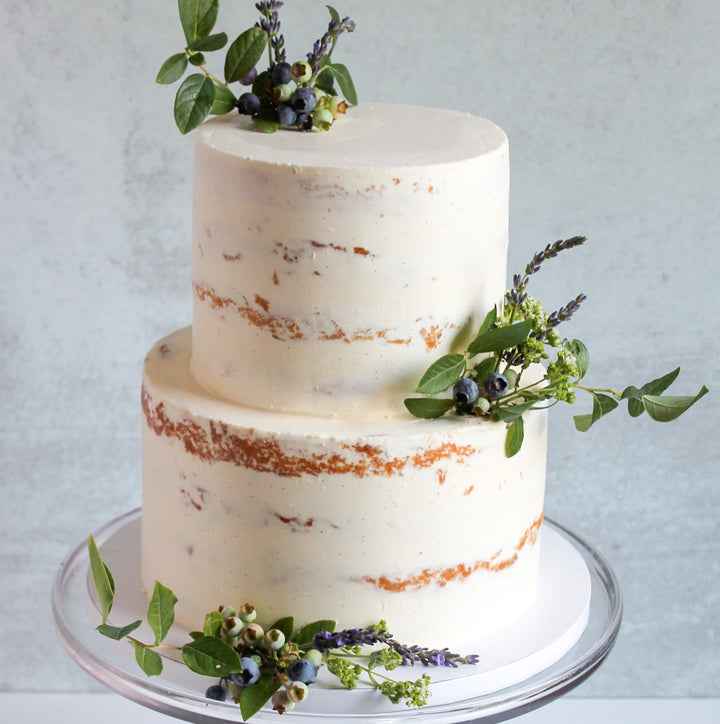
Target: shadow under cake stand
pixel 557 643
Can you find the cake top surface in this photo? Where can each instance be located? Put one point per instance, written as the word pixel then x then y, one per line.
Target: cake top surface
pixel 371 135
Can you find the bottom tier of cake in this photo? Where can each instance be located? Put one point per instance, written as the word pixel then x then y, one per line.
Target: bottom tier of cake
pixel 425 524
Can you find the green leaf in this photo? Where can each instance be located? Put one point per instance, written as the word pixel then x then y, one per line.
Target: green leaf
pixel 254 697
pixel 213 623
pixel 442 374
pixel 304 636
pixel 488 322
pixel 602 404
pixel 428 407
pixel 326 82
pixel 244 53
pixel 483 369
pixel 266 126
pixel 514 437
pixel 118 632
pixel 197 18
pixel 510 413
pixel 161 611
pixel 344 80
pixel 581 354
pixel 667 408
pixel 501 338
pixel 102 578
pixel 334 15
pixel 209 43
pixel 223 102
pixel 286 625
pixel 147 659
pixel 211 657
pixel 172 69
pixel 196 59
pixel 655 387
pixel 193 101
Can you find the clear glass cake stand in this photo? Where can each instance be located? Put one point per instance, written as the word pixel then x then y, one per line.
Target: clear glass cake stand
pixel 180 694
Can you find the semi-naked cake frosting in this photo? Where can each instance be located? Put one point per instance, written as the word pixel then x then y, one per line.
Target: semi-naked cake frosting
pixel 280 466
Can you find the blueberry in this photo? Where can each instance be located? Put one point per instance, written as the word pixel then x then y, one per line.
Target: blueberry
pixel 286 115
pixel 249 77
pixel 248 104
pixel 216 692
pixel 304 122
pixel 248 676
pixel 303 670
pixel 465 392
pixel 280 73
pixel 496 385
pixel 304 100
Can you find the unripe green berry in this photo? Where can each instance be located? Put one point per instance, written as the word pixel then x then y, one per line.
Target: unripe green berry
pixel 322 119
pixel 301 72
pixel 252 633
pixel 315 656
pixel 232 626
pixel 323 102
pixel 247 613
pixel 512 377
pixel 227 611
pixel 282 702
pixel 338 106
pixel 274 639
pixel 482 403
pixel 283 92
pixel 319 93
pixel 297 691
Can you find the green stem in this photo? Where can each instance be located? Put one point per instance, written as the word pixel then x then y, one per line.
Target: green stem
pixel 592 390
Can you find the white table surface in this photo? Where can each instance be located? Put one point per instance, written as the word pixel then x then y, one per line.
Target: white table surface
pixel 112 709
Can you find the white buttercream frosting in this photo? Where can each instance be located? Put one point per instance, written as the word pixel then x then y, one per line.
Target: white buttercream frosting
pixel 331 269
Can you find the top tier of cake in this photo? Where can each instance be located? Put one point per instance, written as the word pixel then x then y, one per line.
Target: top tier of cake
pixel 330 269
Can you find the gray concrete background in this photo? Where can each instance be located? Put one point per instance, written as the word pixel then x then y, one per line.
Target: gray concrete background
pixel 611 109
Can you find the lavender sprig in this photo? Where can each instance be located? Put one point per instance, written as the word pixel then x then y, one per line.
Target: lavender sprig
pixel 376 635
pixel 564 313
pixel 270 23
pixel 325 45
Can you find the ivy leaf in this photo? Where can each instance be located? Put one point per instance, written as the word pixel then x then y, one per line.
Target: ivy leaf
pixel 244 53
pixel 197 18
pixel 223 102
pixel 501 338
pixel 118 632
pixel 210 42
pixel 161 611
pixel 341 73
pixel 254 697
pixel 213 623
pixel 428 407
pixel 172 69
pixel 442 374
pixel 102 578
pixel 147 659
pixel 667 408
pixel 211 657
pixel 581 354
pixel 306 634
pixel 514 437
pixel 286 625
pixel 602 404
pixel 193 101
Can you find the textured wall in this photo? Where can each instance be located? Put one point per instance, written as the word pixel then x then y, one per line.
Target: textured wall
pixel 611 109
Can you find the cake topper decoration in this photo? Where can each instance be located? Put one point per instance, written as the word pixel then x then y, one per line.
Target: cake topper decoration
pixel 517 336
pixel 253 665
pixel 301 95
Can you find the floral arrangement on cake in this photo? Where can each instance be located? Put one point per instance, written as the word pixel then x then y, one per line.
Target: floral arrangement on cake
pixel 301 95
pixel 253 665
pixel 512 339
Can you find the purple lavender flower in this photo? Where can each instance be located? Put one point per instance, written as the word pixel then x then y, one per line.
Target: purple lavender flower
pixel 325 45
pixel 564 313
pixel 270 23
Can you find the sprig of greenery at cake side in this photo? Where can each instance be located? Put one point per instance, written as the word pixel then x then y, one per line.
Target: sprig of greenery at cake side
pixel 512 339
pixel 301 95
pixel 253 665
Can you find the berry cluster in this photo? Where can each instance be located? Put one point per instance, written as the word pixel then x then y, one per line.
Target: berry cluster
pixel 283 95
pixel 264 653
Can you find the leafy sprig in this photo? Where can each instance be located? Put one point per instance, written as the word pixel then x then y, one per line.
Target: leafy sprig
pixel 202 94
pixel 231 645
pixel 512 339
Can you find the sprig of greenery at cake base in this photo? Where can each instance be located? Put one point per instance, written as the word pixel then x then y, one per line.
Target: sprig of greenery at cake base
pixel 301 96
pixel 512 339
pixel 253 665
